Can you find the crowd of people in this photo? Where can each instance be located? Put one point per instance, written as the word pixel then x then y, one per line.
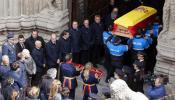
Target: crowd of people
pixel 33 69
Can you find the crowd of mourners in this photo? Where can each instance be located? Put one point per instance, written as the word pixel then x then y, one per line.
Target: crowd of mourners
pixel 33 69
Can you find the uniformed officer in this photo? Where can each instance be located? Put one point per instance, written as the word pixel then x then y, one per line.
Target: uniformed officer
pixel 8 48
pixel 106 35
pixel 68 75
pixel 75 34
pixel 139 43
pixel 89 81
pixel 117 51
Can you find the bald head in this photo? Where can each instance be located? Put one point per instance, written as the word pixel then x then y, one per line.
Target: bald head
pixel 38 44
pixel 5 60
pixel 53 38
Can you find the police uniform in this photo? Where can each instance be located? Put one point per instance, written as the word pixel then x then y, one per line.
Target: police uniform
pixel 139 44
pixel 116 51
pixel 9 49
pixel 89 85
pixel 68 77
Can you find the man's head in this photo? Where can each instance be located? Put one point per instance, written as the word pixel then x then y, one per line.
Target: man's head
pixel 68 57
pixel 97 18
pixel 75 24
pixel 159 80
pixel 10 38
pixel 34 33
pixel 115 10
pixel 53 38
pixel 38 44
pixel 21 39
pixel 65 34
pixel 86 23
pixel 5 60
pixel 52 73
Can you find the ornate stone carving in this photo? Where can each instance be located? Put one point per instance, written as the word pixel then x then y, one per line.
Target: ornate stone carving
pixel 166 42
pixel 26 14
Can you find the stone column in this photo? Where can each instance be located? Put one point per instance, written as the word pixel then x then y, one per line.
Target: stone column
pixel 6 7
pixel 166 42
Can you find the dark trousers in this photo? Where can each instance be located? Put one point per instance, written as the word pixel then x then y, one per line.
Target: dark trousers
pixel 98 52
pixel 72 94
pixel 84 56
pixel 76 57
pixel 116 63
pixel 36 79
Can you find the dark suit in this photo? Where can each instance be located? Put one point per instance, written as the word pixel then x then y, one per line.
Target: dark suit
pixel 39 58
pixel 52 54
pixel 19 48
pixel 64 46
pixel 30 42
pixel 75 44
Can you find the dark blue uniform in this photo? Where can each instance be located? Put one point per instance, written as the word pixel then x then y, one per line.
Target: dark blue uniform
pixel 139 44
pixel 10 50
pixel 69 73
pixel 89 85
pixel 87 41
pixel 97 30
pixel 64 46
pixel 39 58
pixel 116 51
pixel 3 71
pixel 75 44
pixel 52 54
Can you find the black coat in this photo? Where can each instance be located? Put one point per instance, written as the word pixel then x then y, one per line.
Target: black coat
pixel 30 42
pixel 19 47
pixel 138 82
pixel 87 38
pixel 52 53
pixel 75 40
pixel 39 58
pixel 64 47
pixel 97 30
pixel 109 21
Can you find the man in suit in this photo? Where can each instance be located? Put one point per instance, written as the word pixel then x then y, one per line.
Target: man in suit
pixel 97 30
pixel 20 45
pixel 30 42
pixel 75 41
pixel 39 58
pixel 52 52
pixel 8 48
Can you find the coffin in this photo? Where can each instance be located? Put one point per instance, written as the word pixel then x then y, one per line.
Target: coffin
pixel 127 24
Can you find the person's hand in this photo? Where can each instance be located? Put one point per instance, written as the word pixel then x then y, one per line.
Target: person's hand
pixel 77 69
pixel 96 76
pixel 44 65
pixel 58 61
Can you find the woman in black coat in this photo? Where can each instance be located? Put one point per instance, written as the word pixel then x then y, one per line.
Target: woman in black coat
pixel 138 78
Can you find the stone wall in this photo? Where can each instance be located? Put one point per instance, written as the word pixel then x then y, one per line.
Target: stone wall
pixel 51 15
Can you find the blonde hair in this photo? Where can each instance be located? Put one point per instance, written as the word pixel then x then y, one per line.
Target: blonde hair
pixel 54 89
pixel 34 91
pixel 88 66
